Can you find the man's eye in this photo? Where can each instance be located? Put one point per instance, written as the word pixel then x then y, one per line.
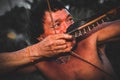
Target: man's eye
pixel 70 19
pixel 56 24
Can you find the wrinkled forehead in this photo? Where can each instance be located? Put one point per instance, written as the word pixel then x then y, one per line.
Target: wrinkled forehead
pixel 59 14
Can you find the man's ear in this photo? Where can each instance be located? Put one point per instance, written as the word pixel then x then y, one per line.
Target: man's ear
pixel 41 37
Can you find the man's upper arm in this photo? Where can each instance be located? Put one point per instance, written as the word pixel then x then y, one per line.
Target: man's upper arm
pixel 110 32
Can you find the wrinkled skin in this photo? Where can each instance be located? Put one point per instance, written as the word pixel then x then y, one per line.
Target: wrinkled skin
pixel 52 45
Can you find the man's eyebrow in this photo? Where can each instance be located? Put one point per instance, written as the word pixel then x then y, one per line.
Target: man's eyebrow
pixel 58 20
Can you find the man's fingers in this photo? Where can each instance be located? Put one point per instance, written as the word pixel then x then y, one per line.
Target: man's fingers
pixel 62 36
pixel 60 42
pixel 61 47
pixel 64 50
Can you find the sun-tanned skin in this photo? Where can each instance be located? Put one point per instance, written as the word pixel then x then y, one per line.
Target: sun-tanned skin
pixel 90 63
pixel 54 41
pixel 76 69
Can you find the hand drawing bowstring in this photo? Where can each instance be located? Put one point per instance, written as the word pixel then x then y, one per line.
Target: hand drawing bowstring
pixel 76 55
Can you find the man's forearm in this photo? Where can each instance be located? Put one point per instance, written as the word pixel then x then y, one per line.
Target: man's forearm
pixel 10 61
pixel 50 46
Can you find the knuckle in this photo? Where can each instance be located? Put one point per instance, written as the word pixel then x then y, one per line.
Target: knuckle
pixel 65 46
pixel 64 41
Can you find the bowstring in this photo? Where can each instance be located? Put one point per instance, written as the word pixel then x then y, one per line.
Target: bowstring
pixel 72 53
pixel 95 66
pixel 50 12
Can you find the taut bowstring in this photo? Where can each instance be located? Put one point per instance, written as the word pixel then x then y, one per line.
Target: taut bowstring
pixel 50 11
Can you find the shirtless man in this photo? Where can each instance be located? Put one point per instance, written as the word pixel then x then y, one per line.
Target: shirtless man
pixel 88 60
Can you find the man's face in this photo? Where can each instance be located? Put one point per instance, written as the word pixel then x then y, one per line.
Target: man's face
pixel 61 21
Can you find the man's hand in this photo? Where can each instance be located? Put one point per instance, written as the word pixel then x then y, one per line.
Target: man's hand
pixel 52 45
